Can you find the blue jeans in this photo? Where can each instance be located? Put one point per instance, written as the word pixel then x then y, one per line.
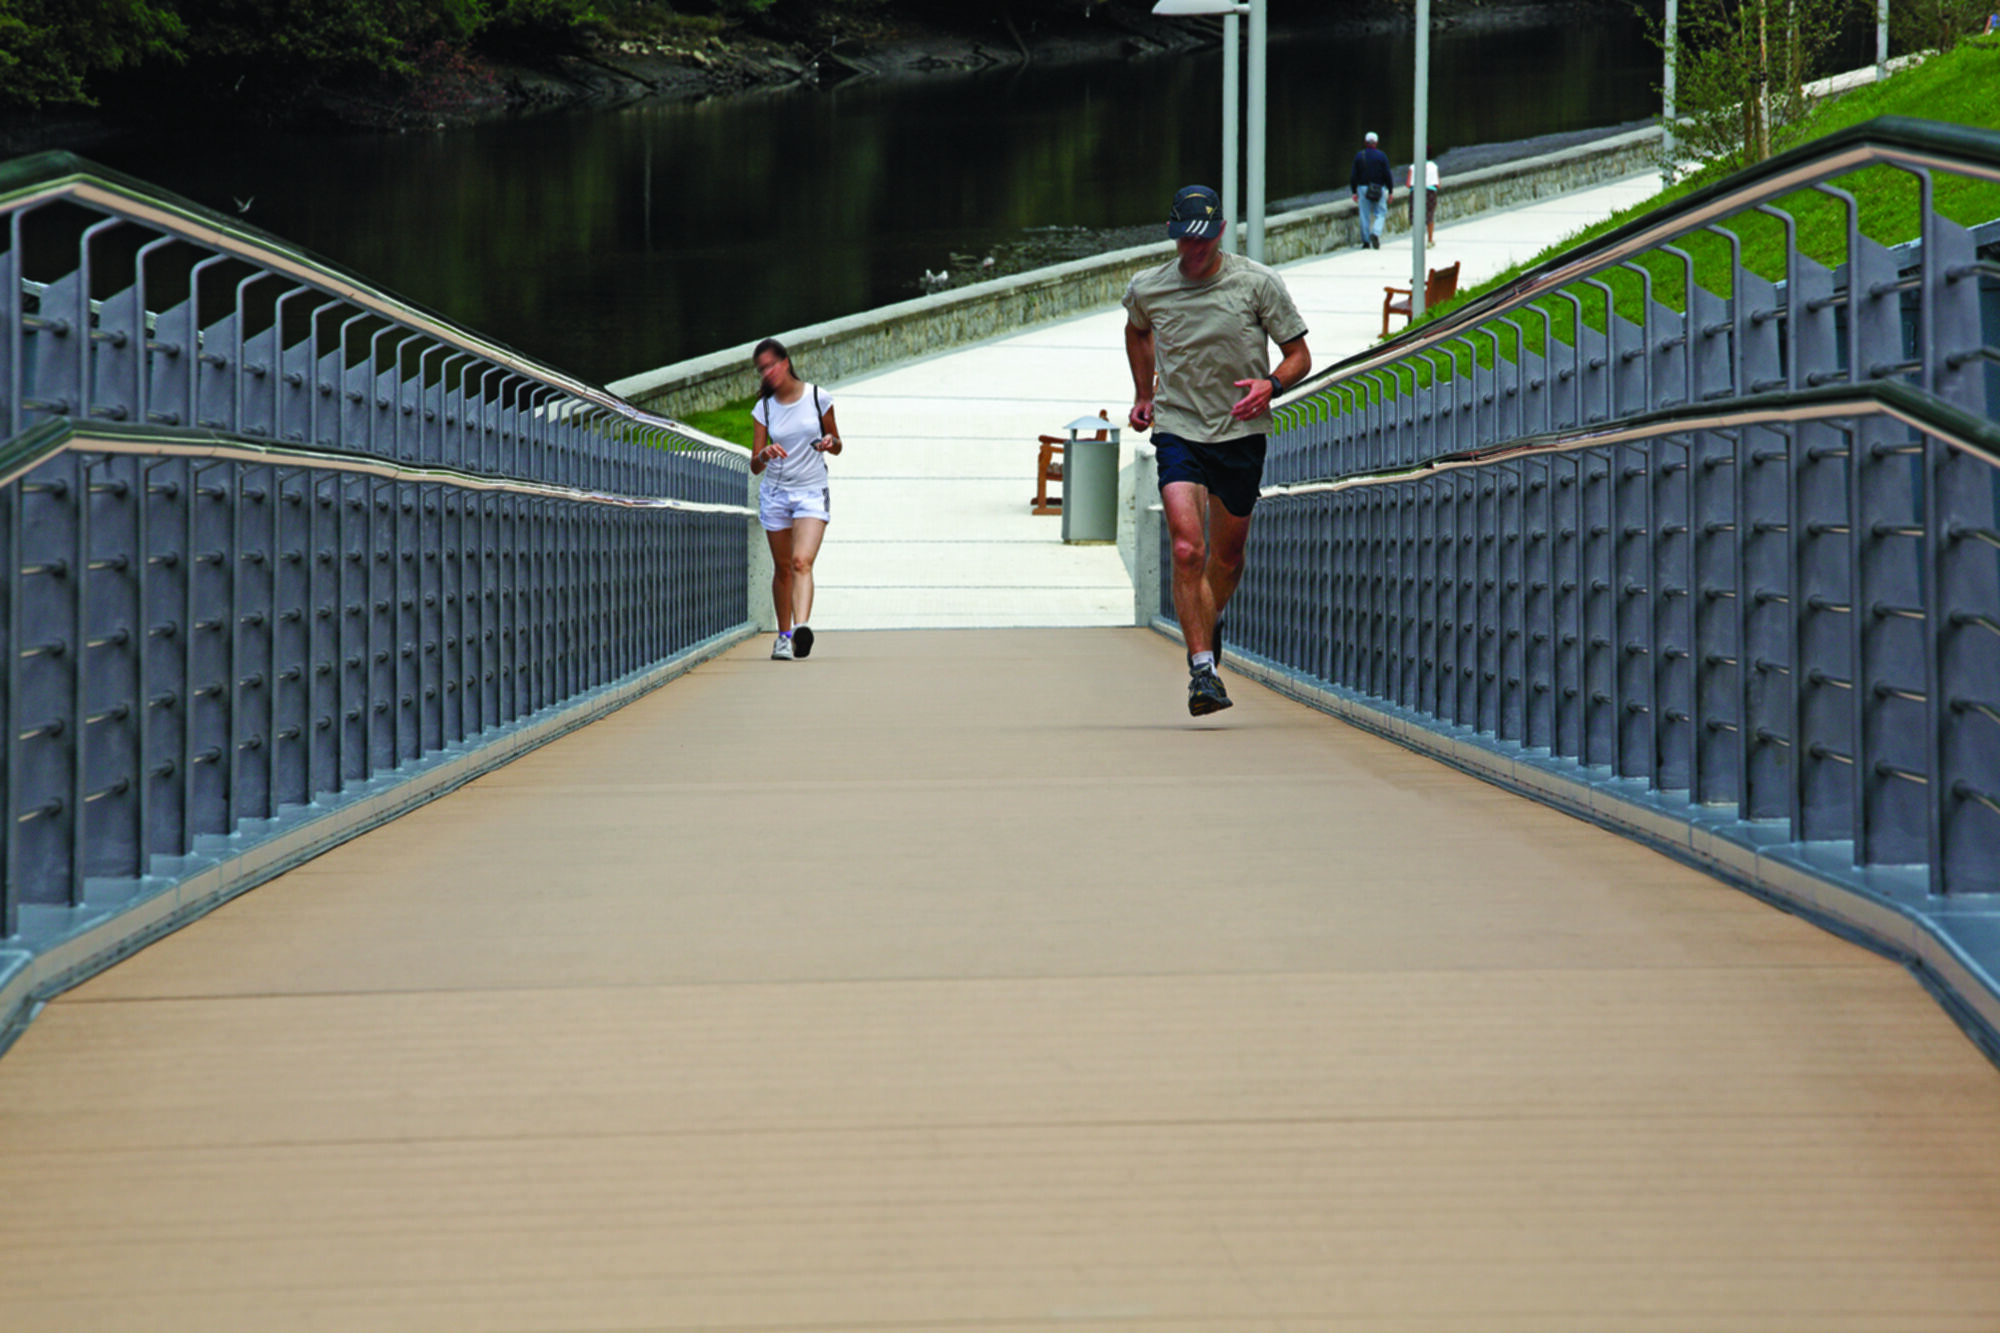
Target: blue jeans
pixel 1373 214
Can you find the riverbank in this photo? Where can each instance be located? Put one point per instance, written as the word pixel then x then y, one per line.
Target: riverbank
pixel 686 59
pixel 870 340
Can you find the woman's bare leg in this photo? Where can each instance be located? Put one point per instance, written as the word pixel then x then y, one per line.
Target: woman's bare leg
pixel 781 575
pixel 806 535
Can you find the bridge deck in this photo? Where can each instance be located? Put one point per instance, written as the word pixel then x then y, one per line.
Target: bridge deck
pixel 805 997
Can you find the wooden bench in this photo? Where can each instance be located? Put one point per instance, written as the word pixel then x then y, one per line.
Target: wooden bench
pixel 1440 285
pixel 1049 467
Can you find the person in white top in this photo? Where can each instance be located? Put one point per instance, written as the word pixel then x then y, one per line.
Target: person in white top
pixel 1430 200
pixel 794 431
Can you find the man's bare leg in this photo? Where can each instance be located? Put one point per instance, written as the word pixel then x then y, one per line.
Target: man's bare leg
pixel 1184 502
pixel 1227 535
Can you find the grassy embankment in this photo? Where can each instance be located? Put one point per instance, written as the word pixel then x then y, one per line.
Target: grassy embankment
pixel 1957 87
pixel 729 422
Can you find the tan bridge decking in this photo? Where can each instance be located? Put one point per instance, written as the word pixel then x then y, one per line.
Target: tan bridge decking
pixel 923 986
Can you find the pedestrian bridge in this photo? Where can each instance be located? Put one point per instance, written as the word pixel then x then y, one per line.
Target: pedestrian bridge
pixel 955 978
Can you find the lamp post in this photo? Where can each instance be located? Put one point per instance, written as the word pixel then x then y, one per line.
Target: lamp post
pixel 1671 29
pixel 1420 184
pixel 1231 11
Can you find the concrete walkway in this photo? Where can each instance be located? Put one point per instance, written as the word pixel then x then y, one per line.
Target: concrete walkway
pixel 957 982
pixel 932 527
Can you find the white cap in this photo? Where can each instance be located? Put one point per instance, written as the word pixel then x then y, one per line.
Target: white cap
pixel 1372 138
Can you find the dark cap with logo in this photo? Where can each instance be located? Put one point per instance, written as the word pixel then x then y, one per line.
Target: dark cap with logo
pixel 1196 214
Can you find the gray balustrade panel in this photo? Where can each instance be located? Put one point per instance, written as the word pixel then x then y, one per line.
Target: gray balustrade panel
pixel 1786 618
pixel 1557 351
pixel 1755 616
pixel 141 312
pixel 197 642
pixel 200 640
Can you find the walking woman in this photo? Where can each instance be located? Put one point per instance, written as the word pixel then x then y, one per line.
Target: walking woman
pixel 794 432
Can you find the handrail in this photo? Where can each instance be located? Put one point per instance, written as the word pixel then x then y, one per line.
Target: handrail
pixel 44 177
pixel 42 442
pixel 1886 140
pixel 1975 436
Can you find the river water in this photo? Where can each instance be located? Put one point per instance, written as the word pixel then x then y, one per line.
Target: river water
pixel 613 241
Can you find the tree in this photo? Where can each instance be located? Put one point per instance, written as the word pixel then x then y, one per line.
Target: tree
pixel 1936 25
pixel 49 48
pixel 1741 73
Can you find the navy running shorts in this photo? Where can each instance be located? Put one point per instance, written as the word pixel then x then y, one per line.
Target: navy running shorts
pixel 1231 470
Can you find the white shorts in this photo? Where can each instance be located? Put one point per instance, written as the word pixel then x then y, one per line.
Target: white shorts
pixel 776 509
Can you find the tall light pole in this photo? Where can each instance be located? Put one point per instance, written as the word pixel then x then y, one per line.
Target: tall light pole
pixel 1232 110
pixel 1672 25
pixel 1260 34
pixel 1419 159
pixel 1231 11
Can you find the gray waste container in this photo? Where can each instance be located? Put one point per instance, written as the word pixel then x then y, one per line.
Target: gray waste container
pixel 1090 482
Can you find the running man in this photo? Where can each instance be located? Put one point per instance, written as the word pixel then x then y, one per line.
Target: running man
pixel 1201 324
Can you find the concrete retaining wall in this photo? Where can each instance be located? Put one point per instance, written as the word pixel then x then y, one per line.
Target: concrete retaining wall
pixel 839 349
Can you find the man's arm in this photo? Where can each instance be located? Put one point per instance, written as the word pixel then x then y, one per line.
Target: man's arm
pixel 1256 400
pixel 1139 352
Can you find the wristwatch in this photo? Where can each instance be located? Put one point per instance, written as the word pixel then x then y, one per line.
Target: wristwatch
pixel 1277 385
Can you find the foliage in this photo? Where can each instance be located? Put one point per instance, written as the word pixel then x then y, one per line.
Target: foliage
pixel 329 39
pixel 49 48
pixel 264 49
pixel 1936 25
pixel 1741 74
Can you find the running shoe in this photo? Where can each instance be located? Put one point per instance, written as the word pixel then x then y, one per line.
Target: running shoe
pixel 802 641
pixel 781 651
pixel 1205 694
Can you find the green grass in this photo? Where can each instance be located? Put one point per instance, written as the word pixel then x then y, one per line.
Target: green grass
pixel 1957 87
pixel 729 422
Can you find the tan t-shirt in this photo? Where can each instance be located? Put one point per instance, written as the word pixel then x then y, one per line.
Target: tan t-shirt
pixel 1208 335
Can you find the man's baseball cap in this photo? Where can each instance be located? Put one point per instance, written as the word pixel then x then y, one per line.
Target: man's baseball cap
pixel 1196 214
pixel 1372 138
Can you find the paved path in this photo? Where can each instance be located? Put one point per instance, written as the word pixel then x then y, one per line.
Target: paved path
pixel 932 527
pixel 917 987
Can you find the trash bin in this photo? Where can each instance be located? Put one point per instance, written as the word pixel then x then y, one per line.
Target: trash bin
pixel 1090 482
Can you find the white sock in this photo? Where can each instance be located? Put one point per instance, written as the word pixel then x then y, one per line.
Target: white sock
pixel 1203 659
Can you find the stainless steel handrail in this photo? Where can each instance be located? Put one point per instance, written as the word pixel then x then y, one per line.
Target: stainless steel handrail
pixel 1973 436
pixel 36 446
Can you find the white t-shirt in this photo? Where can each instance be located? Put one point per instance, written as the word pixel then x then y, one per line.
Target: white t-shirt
pixel 794 427
pixel 1430 176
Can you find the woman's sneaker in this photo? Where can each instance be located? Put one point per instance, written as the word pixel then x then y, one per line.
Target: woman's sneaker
pixel 1205 693
pixel 781 651
pixel 802 641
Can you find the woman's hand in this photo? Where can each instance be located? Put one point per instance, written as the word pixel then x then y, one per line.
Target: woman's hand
pixel 827 444
pixel 769 452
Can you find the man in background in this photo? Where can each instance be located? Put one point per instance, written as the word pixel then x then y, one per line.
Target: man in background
pixel 1371 184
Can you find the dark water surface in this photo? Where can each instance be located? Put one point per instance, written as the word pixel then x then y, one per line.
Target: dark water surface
pixel 614 241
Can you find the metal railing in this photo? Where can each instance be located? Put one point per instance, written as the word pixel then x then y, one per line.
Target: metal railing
pixel 273 535
pixel 1587 596
pixel 1742 548
pixel 1764 282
